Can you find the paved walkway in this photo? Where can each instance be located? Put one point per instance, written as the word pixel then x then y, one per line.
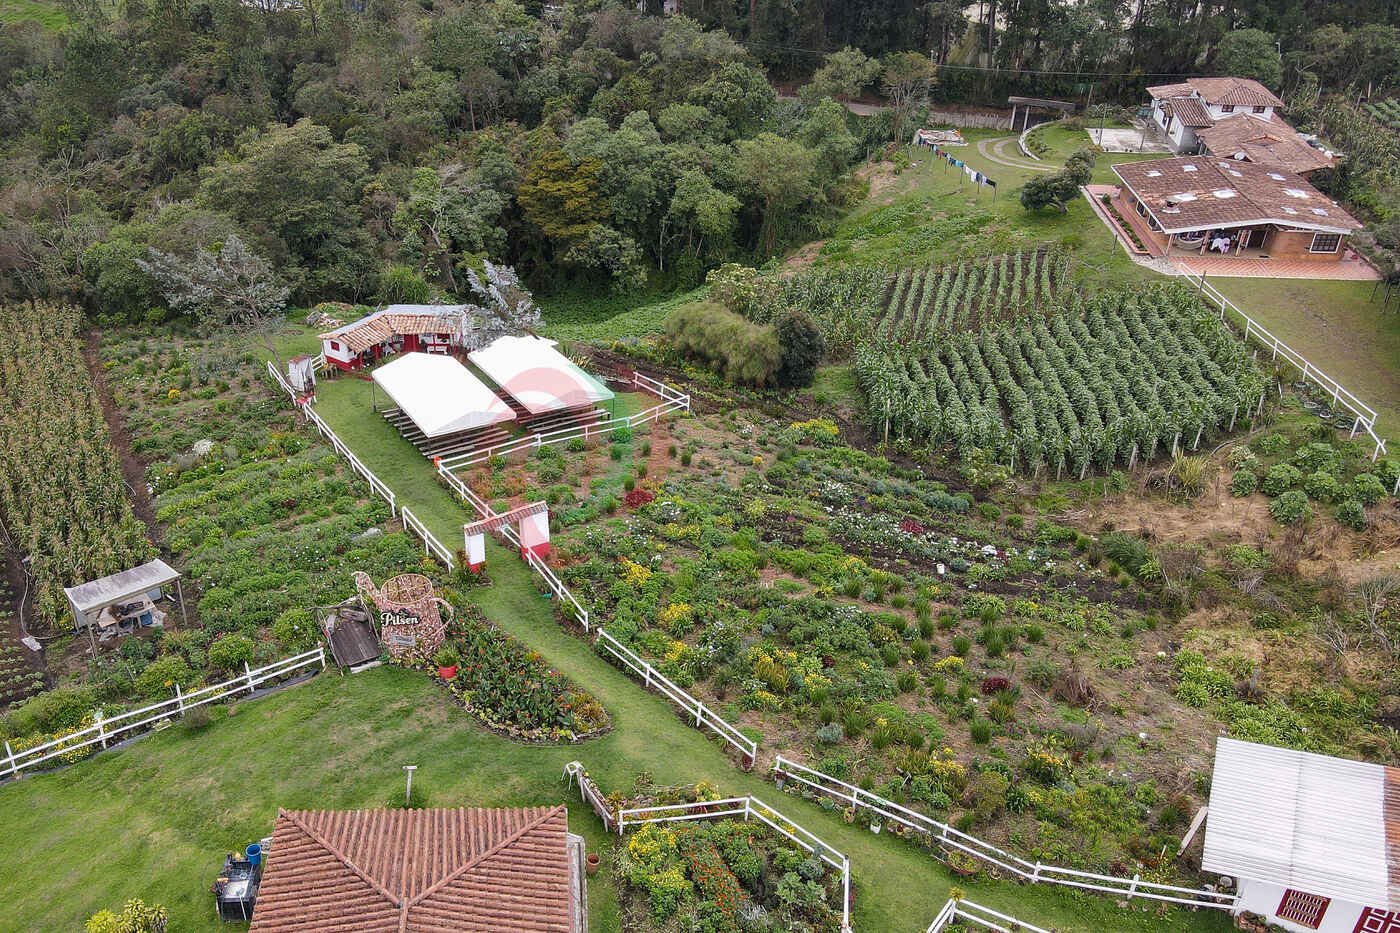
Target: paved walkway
pixel 1345 270
pixel 994 150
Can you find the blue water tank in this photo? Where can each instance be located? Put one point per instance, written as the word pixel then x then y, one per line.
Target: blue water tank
pixel 254 853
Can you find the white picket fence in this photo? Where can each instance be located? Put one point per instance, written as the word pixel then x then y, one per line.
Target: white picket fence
pixel 747 808
pixel 1364 415
pixel 984 917
pixel 411 522
pixel 652 678
pixel 785 769
pixel 107 730
pixel 671 400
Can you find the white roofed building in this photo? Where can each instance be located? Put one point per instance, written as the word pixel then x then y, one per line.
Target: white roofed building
pixel 439 394
pixel 1312 841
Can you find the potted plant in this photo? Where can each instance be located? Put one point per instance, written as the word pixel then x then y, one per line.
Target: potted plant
pixel 446 660
pixel 591 863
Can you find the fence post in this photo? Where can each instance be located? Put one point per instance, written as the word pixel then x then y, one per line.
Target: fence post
pixel 321 656
pixel 10 758
pixel 179 700
pixel 101 729
pixel 249 675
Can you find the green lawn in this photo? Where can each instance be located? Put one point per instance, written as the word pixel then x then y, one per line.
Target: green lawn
pixel 1337 327
pixel 49 15
pixel 930 213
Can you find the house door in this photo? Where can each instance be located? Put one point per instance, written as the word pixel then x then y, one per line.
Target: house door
pixel 410 343
pixel 1256 238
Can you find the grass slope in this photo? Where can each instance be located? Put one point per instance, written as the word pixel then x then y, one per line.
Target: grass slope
pixel 1337 327
pixel 49 15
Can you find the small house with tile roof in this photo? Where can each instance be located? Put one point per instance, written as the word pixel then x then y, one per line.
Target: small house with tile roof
pixel 1210 206
pixel 395 329
pixel 1182 109
pixel 515 870
pixel 1310 842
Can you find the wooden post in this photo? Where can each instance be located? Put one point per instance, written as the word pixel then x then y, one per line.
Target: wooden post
pixel 1132 460
pixel 1233 415
pixel 101 729
pixel 179 700
pixel 249 675
pixel 1196 444
pixel 10 758
pixel 180 593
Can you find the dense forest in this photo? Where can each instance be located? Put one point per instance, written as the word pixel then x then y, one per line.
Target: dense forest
pixel 377 149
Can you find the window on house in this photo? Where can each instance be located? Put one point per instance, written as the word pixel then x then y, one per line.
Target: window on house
pixel 1260 109
pixel 1325 243
pixel 1228 108
pixel 1302 908
pixel 335 345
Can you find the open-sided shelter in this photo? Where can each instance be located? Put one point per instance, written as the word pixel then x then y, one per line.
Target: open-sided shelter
pixel 395 329
pixel 123 601
pixel 537 376
pixel 439 395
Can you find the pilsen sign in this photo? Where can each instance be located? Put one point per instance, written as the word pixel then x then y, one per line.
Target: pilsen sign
pixel 410 620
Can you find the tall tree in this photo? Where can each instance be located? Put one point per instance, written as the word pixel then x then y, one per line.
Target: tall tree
pixel 1250 53
pixel 907 77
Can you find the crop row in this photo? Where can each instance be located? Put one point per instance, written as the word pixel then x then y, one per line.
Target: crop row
pixel 1386 112
pixel 61 488
pixel 924 306
pixel 1108 379
pixel 851 304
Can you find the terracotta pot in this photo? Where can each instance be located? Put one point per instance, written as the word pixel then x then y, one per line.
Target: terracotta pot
pixel 590 864
pixel 447 673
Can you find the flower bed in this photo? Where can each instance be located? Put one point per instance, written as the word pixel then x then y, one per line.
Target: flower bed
pixel 723 876
pixel 510 688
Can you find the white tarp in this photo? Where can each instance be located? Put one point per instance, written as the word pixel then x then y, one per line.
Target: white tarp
pixel 439 395
pixel 538 376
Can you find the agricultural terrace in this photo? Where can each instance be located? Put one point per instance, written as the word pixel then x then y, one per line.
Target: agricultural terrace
pixel 57 449
pixel 1109 379
pixel 871 622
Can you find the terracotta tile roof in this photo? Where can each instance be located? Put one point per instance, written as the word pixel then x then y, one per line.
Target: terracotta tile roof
pixel 1165 91
pixel 395 321
pixel 1202 192
pixel 1241 92
pixel 1189 111
pixel 1268 142
pixel 417 871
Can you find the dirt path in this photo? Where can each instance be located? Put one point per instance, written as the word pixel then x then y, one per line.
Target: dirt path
pixel 133 470
pixel 994 150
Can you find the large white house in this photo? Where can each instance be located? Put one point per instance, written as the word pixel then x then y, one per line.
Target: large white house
pixel 1311 841
pixel 1198 103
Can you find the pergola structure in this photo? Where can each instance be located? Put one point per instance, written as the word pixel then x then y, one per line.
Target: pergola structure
pixel 1026 104
pixel 533 520
pixel 122 599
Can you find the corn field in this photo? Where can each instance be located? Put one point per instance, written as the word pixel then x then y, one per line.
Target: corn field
pixel 62 497
pixel 918 305
pixel 1107 379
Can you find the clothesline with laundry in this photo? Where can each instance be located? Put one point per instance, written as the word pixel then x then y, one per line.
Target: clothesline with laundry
pixel 976 177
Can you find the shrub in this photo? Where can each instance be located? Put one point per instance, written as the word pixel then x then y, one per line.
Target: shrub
pixel 60 710
pixel 802 350
pixel 996 684
pixel 231 652
pixel 1367 489
pixel 295 631
pixel 746 353
pixel 1290 508
pixel 135 917
pixel 907 681
pixel 962 645
pixel 1280 479
pixel 1323 487
pixel 1311 458
pixel 1352 514
pixel 158 680
pixel 1243 483
pixel 980 730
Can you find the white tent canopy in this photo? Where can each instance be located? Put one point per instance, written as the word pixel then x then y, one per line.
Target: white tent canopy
pixel 439 395
pixel 538 376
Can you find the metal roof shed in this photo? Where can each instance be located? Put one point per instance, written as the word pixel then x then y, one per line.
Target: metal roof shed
pixel 88 599
pixel 1307 836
